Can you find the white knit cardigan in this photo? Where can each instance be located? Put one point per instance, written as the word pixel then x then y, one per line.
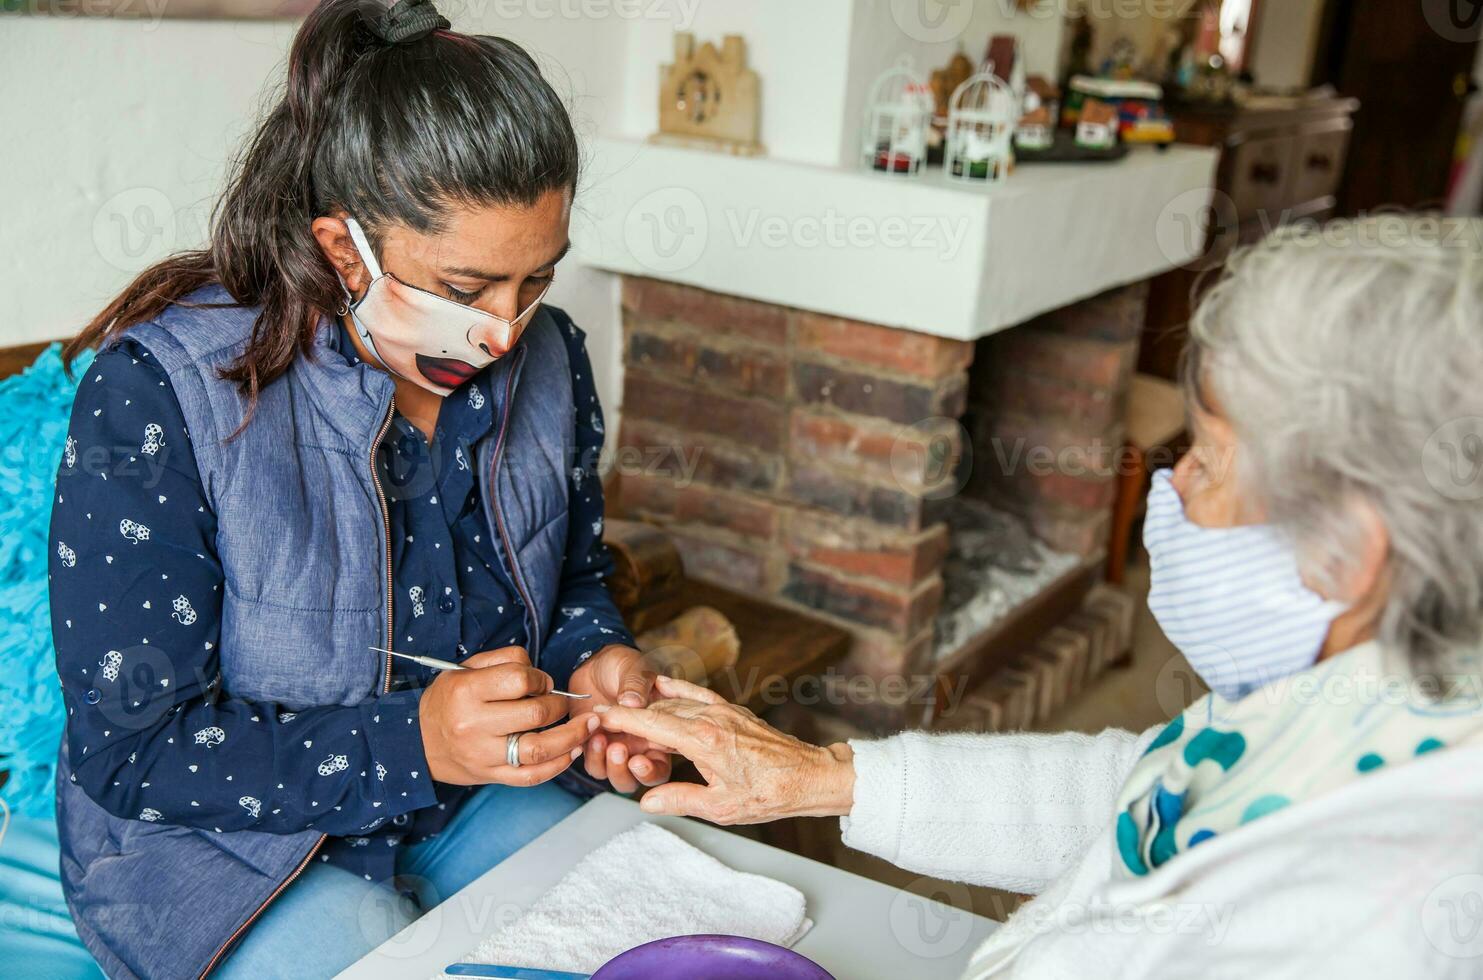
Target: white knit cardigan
pixel 1376 879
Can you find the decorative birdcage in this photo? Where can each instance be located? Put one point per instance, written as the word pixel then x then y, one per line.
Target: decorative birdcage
pixel 982 113
pixel 897 114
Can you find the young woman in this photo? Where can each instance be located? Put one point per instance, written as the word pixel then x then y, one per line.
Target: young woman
pixel 347 424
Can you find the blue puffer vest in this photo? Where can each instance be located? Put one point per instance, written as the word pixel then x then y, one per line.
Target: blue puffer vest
pixel 302 541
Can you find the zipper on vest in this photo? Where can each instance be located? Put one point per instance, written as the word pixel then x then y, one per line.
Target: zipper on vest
pixel 385 686
pixel 386 537
pixel 499 516
pixel 253 917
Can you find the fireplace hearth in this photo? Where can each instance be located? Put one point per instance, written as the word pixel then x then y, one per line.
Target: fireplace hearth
pixel 915 489
pixel 994 565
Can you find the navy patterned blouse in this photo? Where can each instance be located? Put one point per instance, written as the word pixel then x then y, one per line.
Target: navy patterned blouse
pixel 129 454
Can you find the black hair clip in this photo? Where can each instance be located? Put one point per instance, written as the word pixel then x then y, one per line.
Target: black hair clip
pixel 407 20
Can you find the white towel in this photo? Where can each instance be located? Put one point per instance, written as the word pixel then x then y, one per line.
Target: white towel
pixel 645 884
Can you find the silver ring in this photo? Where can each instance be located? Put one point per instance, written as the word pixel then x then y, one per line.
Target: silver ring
pixel 512 749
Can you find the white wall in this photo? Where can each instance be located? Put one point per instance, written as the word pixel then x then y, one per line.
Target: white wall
pixel 113 158
pixel 115 144
pixel 818 58
pixel 1142 23
pixel 1286 36
pixel 930 32
pixel 798 49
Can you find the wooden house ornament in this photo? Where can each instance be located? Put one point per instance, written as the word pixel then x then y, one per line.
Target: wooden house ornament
pixel 1037 128
pixel 1097 128
pixel 709 99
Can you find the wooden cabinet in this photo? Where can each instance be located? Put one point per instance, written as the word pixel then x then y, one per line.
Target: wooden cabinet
pixel 1260 174
pixel 1282 160
pixel 1319 166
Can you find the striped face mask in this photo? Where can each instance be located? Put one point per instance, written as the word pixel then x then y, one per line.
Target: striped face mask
pixel 1230 598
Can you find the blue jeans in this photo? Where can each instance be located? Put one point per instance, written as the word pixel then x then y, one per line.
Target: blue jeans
pixel 329 917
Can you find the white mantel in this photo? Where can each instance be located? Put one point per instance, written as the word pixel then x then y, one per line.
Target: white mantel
pixel 930 254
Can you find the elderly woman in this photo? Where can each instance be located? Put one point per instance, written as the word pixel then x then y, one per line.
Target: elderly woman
pixel 1318 558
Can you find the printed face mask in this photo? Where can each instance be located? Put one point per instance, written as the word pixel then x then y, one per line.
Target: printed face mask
pixel 425 338
pixel 1230 598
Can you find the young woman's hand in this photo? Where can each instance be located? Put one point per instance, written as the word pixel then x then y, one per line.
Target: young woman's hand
pixel 619 675
pixel 467 715
pixel 753 772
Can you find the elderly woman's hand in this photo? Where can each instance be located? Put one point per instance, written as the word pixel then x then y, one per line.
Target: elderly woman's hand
pixel 753 772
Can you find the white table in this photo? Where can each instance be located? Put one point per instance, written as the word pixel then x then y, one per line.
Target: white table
pixel 862 929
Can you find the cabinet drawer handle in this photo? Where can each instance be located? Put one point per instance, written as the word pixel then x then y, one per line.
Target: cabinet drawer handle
pixel 1264 173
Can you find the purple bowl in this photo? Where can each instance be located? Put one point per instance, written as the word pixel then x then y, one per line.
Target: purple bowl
pixel 711 957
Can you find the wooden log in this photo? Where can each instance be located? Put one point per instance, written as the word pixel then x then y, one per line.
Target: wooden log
pixel 778 645
pixel 647 566
pixel 695 646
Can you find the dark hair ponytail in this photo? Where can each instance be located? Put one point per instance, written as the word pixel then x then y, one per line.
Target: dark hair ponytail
pixel 392 132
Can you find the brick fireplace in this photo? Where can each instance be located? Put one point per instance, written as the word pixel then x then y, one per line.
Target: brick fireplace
pixel 1045 412
pixel 821 462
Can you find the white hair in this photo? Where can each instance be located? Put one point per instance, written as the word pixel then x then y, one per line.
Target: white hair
pixel 1349 361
